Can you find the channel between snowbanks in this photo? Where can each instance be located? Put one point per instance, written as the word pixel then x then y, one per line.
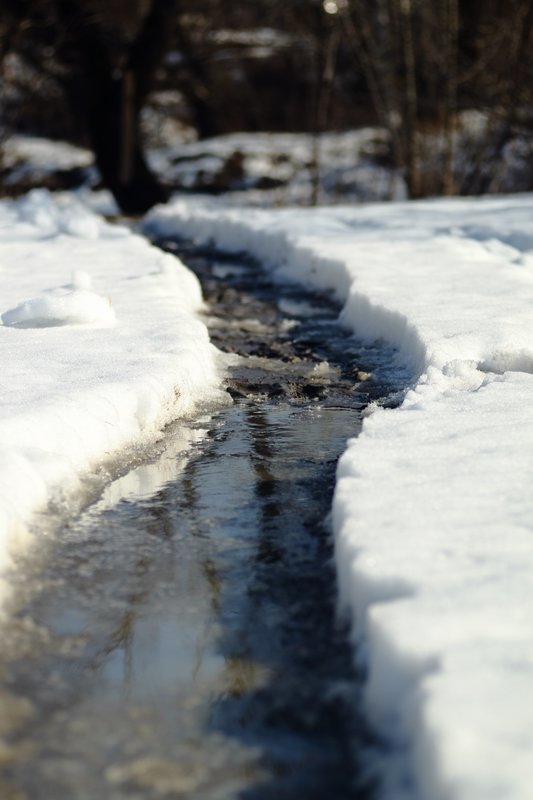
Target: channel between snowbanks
pixel 433 514
pixel 100 347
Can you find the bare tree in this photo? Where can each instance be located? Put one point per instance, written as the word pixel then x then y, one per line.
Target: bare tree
pixel 408 50
pixel 425 62
pixel 104 57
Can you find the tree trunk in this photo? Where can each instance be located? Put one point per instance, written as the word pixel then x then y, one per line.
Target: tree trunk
pixel 113 126
pixel 195 89
pixel 115 100
pixel 451 34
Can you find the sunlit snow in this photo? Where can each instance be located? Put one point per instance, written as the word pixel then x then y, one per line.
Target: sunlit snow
pixel 100 347
pixel 433 512
pixel 70 306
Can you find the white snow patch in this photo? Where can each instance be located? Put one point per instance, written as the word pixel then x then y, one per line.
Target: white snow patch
pixel 40 152
pixel 71 307
pixel 100 347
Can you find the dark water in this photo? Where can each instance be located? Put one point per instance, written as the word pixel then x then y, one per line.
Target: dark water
pixel 178 639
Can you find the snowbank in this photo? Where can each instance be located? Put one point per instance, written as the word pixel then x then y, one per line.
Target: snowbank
pixel 100 347
pixel 433 512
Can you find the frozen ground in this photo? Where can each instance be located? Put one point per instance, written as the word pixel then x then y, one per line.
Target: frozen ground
pixel 433 513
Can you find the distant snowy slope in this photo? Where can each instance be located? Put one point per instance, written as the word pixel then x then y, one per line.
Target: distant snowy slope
pixel 99 347
pixel 433 510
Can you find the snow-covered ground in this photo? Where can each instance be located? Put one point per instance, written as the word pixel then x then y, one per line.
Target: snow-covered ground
pixel 274 169
pixel 433 517
pixel 100 346
pixel 433 510
pixel 279 169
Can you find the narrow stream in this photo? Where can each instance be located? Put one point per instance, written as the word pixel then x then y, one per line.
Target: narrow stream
pixel 178 639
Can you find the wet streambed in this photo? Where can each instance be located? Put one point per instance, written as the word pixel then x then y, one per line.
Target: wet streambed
pixel 178 638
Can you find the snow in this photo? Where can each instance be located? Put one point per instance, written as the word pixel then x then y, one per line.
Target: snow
pixel 101 346
pixel 433 511
pixel 44 153
pixel 31 161
pixel 68 306
pixel 277 168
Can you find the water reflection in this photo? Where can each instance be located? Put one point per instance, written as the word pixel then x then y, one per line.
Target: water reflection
pixel 181 643
pixel 201 611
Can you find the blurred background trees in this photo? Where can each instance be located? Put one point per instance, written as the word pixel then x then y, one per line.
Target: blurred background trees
pixel 449 82
pixel 427 65
pixel 84 70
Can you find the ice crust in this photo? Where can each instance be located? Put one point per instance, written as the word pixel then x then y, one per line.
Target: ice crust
pixel 433 510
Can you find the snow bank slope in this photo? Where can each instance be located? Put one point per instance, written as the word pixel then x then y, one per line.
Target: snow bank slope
pixel 99 347
pixel 433 510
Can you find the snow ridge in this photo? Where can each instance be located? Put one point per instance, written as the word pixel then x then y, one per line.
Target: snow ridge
pixel 433 514
pixel 100 347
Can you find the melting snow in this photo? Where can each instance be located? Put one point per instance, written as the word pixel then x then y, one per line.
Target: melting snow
pixel 433 510
pixel 433 514
pixel 100 347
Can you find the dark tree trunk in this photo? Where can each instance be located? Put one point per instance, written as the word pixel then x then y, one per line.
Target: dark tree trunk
pixel 113 127
pixel 115 99
pixel 194 89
